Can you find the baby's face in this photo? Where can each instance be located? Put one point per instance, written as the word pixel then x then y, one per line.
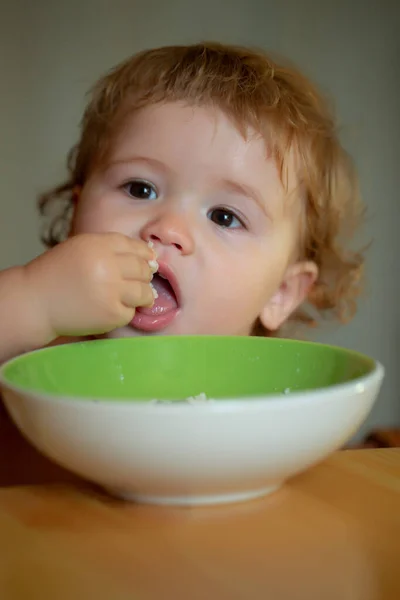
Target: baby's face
pixel 214 207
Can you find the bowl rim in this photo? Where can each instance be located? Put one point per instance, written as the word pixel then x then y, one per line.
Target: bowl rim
pixel 356 386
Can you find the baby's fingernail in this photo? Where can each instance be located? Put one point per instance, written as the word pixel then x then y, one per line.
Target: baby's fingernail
pixel 155 293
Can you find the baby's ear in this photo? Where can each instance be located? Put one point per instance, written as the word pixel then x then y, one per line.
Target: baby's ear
pixel 294 289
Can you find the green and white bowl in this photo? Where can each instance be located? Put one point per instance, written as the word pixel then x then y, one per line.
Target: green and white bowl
pixel 116 412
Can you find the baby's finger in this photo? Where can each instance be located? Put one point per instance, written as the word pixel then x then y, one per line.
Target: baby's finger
pixel 134 268
pixel 126 315
pixel 124 244
pixel 136 293
pixel 142 249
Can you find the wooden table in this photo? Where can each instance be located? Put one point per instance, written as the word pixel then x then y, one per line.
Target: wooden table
pixel 332 533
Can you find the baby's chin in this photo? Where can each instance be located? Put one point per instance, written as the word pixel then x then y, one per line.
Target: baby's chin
pixel 127 332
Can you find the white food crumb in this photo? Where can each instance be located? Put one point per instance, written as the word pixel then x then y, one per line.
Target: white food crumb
pixel 286 391
pixel 155 293
pixel 199 399
pixel 153 264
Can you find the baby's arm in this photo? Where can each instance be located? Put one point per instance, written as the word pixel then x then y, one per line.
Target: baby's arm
pixel 22 327
pixel 89 284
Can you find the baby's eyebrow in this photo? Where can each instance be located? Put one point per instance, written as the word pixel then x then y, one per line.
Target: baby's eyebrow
pixel 245 190
pixel 153 162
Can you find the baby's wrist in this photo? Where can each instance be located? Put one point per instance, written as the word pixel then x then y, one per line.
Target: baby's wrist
pixel 38 318
pixel 22 326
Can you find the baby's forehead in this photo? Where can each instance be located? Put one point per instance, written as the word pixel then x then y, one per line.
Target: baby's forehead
pixel 201 126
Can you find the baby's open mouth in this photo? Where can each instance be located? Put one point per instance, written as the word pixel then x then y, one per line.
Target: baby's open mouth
pixel 166 303
pixel 165 298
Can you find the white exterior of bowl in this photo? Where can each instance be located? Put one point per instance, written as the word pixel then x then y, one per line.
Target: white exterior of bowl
pixel 185 454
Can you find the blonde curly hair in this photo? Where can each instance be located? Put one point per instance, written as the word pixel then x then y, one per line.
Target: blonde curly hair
pixel 253 90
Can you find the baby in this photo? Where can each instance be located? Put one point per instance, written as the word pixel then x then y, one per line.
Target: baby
pixel 222 166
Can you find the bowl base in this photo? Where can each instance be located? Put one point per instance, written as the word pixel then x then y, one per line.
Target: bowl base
pixel 206 500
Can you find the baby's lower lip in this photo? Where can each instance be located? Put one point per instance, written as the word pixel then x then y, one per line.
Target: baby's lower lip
pixel 153 322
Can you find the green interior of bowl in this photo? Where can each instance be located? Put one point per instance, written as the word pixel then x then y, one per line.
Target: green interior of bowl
pixel 179 367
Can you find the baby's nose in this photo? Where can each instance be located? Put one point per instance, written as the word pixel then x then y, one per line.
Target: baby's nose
pixel 171 230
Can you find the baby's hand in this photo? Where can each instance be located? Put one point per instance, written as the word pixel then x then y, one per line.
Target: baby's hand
pixel 90 284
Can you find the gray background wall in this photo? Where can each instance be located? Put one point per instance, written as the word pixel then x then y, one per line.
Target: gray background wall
pixel 51 52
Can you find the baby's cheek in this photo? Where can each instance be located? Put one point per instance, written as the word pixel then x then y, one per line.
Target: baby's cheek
pixel 83 221
pixel 241 293
pixel 88 220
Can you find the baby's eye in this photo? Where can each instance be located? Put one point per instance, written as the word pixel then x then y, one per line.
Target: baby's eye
pixel 140 189
pixel 225 218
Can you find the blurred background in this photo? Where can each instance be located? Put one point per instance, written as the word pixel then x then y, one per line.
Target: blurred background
pixel 51 52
